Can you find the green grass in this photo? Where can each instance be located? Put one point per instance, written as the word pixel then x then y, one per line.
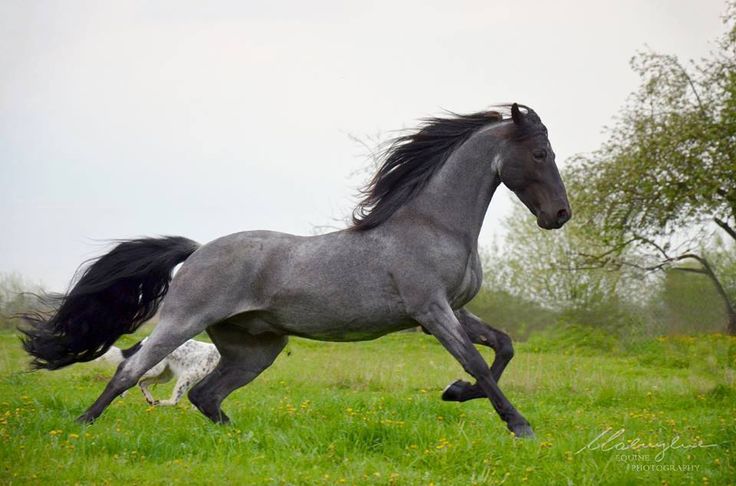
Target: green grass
pixel 370 413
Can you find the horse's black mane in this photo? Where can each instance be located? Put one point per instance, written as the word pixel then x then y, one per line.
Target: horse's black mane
pixel 411 160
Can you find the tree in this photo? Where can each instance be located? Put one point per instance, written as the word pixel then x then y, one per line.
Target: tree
pixel 539 266
pixel 665 181
pixel 16 295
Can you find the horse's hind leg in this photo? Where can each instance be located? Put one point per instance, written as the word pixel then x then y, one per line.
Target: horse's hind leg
pixel 482 333
pixel 244 357
pixel 168 335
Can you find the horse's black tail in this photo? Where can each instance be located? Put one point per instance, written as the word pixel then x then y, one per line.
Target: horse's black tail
pixel 114 295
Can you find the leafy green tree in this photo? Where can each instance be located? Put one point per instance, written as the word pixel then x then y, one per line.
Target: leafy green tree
pixel 540 265
pixel 670 161
pixel 665 181
pixel 536 278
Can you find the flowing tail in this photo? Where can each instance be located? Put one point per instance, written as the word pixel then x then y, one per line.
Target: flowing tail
pixel 115 295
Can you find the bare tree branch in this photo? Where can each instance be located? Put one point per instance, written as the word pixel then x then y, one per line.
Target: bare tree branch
pixel 725 226
pixel 692 86
pixel 692 270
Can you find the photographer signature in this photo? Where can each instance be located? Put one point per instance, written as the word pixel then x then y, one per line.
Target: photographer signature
pixel 615 441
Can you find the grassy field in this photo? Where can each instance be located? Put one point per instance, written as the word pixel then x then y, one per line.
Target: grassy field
pixel 370 413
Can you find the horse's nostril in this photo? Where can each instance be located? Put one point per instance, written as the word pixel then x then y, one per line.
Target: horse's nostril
pixel 563 215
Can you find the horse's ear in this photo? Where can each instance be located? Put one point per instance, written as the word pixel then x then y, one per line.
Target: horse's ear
pixel 516 114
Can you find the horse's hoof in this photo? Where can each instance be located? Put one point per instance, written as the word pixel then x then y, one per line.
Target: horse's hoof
pixel 222 419
pixel 86 418
pixel 219 417
pixel 453 392
pixel 522 431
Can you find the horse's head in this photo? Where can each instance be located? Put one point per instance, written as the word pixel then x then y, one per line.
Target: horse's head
pixel 527 167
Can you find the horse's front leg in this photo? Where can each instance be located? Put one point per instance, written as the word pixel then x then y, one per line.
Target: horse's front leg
pixel 480 332
pixel 439 319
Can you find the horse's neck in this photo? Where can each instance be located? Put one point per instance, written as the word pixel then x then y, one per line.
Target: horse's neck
pixel 457 197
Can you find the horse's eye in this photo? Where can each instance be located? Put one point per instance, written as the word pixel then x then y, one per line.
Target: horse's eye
pixel 540 154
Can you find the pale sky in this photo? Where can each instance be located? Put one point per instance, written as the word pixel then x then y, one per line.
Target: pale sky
pixel 127 118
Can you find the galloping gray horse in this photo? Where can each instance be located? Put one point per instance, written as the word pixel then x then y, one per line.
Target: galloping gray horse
pixel 410 258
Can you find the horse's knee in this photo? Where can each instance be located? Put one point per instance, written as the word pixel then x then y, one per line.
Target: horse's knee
pixel 505 348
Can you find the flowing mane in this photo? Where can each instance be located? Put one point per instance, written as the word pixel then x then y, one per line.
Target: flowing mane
pixel 411 160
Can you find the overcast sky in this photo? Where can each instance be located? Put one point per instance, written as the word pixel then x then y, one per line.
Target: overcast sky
pixel 129 118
